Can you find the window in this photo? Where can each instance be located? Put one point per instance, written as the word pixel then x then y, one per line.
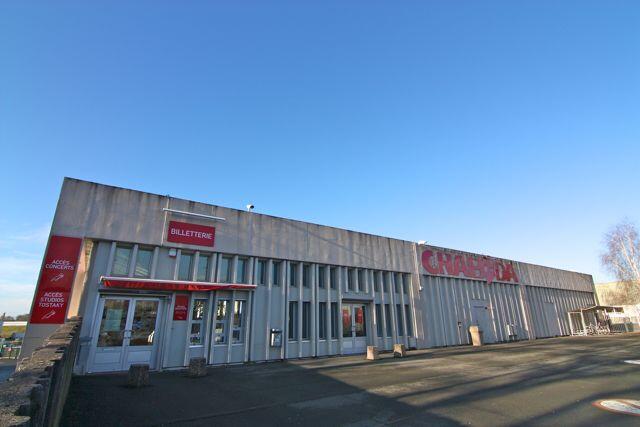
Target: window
pixel 261 273
pixel 334 320
pixel 306 320
pixel 241 275
pixel 399 319
pixel 376 281
pixel 184 269
pixel 333 277
pixel 385 281
pixel 397 283
pixel 361 283
pixel 293 269
pixel 306 275
pixel 407 315
pixel 322 320
pixel 203 268
pixel 387 315
pixel 224 271
pixel 293 320
pixel 405 284
pixel 197 319
pixel 349 279
pixel 237 333
pixel 143 263
pixel 379 319
pixel 275 273
pixel 222 320
pixel 121 261
pixel 321 276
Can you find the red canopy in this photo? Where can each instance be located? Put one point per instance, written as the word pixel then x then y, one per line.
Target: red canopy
pixel 169 285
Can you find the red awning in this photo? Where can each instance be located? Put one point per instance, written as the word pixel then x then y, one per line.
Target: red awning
pixel 169 285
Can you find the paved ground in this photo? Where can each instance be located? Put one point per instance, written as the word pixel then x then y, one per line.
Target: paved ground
pixel 7 366
pixel 545 382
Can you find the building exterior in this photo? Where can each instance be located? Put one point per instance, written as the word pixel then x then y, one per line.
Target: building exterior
pixel 622 294
pixel 160 280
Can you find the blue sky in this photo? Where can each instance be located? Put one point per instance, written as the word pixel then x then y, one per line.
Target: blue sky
pixel 507 128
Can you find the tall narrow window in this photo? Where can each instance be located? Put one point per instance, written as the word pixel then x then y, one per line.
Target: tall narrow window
pixel 275 273
pixel 321 276
pixel 203 267
pixel 333 277
pixel 293 320
pixel 237 332
pixel 121 261
pixel 349 279
pixel 184 269
pixel 385 281
pixel 306 320
pixel 222 321
pixel 322 320
pixel 361 282
pixel 405 283
pixel 397 283
pixel 306 275
pixel 224 270
pixel 407 315
pixel 241 275
pixel 334 320
pixel 261 273
pixel 379 319
pixel 376 281
pixel 399 319
pixel 387 316
pixel 293 270
pixel 197 319
pixel 143 262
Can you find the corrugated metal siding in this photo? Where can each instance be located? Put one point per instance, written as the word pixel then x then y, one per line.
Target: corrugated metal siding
pixel 446 301
pixel 546 277
pixel 564 302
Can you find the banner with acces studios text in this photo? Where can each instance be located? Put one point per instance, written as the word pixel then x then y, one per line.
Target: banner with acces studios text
pixel 56 280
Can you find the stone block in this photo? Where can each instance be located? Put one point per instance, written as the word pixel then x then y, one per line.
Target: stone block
pixel 372 352
pixel 138 375
pixel 197 367
pixel 476 335
pixel 399 350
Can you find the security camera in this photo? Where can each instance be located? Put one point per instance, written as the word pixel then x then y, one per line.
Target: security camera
pixel 250 207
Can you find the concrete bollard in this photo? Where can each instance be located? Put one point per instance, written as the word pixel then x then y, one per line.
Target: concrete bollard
pixel 372 352
pixel 197 367
pixel 476 335
pixel 138 375
pixel 399 350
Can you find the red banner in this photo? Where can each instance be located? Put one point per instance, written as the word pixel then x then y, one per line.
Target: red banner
pixel 56 280
pixel 470 266
pixel 191 234
pixel 181 307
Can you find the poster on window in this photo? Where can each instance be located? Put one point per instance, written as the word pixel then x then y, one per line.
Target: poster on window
pixel 181 307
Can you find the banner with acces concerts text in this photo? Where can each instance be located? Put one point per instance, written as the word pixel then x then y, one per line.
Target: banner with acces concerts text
pixel 56 279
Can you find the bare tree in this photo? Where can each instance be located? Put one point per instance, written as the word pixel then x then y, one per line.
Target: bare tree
pixel 622 258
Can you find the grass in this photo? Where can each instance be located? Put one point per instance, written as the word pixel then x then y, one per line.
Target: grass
pixel 8 330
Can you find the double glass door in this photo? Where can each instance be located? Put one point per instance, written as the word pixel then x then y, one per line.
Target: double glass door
pixel 126 333
pixel 354 328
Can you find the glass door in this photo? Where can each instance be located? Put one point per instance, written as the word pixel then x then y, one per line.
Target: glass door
pixel 126 334
pixel 354 328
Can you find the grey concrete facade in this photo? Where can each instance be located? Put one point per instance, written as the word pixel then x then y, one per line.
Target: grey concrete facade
pixel 327 278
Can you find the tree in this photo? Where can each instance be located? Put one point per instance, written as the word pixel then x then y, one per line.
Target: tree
pixel 622 258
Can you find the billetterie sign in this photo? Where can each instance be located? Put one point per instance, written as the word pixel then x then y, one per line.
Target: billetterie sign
pixel 438 262
pixel 191 234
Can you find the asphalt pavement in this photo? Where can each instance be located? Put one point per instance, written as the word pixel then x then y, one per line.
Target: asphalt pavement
pixel 544 382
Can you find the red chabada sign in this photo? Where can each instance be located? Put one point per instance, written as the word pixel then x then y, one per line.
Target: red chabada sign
pixel 191 234
pixel 56 280
pixel 181 307
pixel 469 266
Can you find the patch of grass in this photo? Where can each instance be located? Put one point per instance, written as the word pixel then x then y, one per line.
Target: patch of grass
pixel 8 330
